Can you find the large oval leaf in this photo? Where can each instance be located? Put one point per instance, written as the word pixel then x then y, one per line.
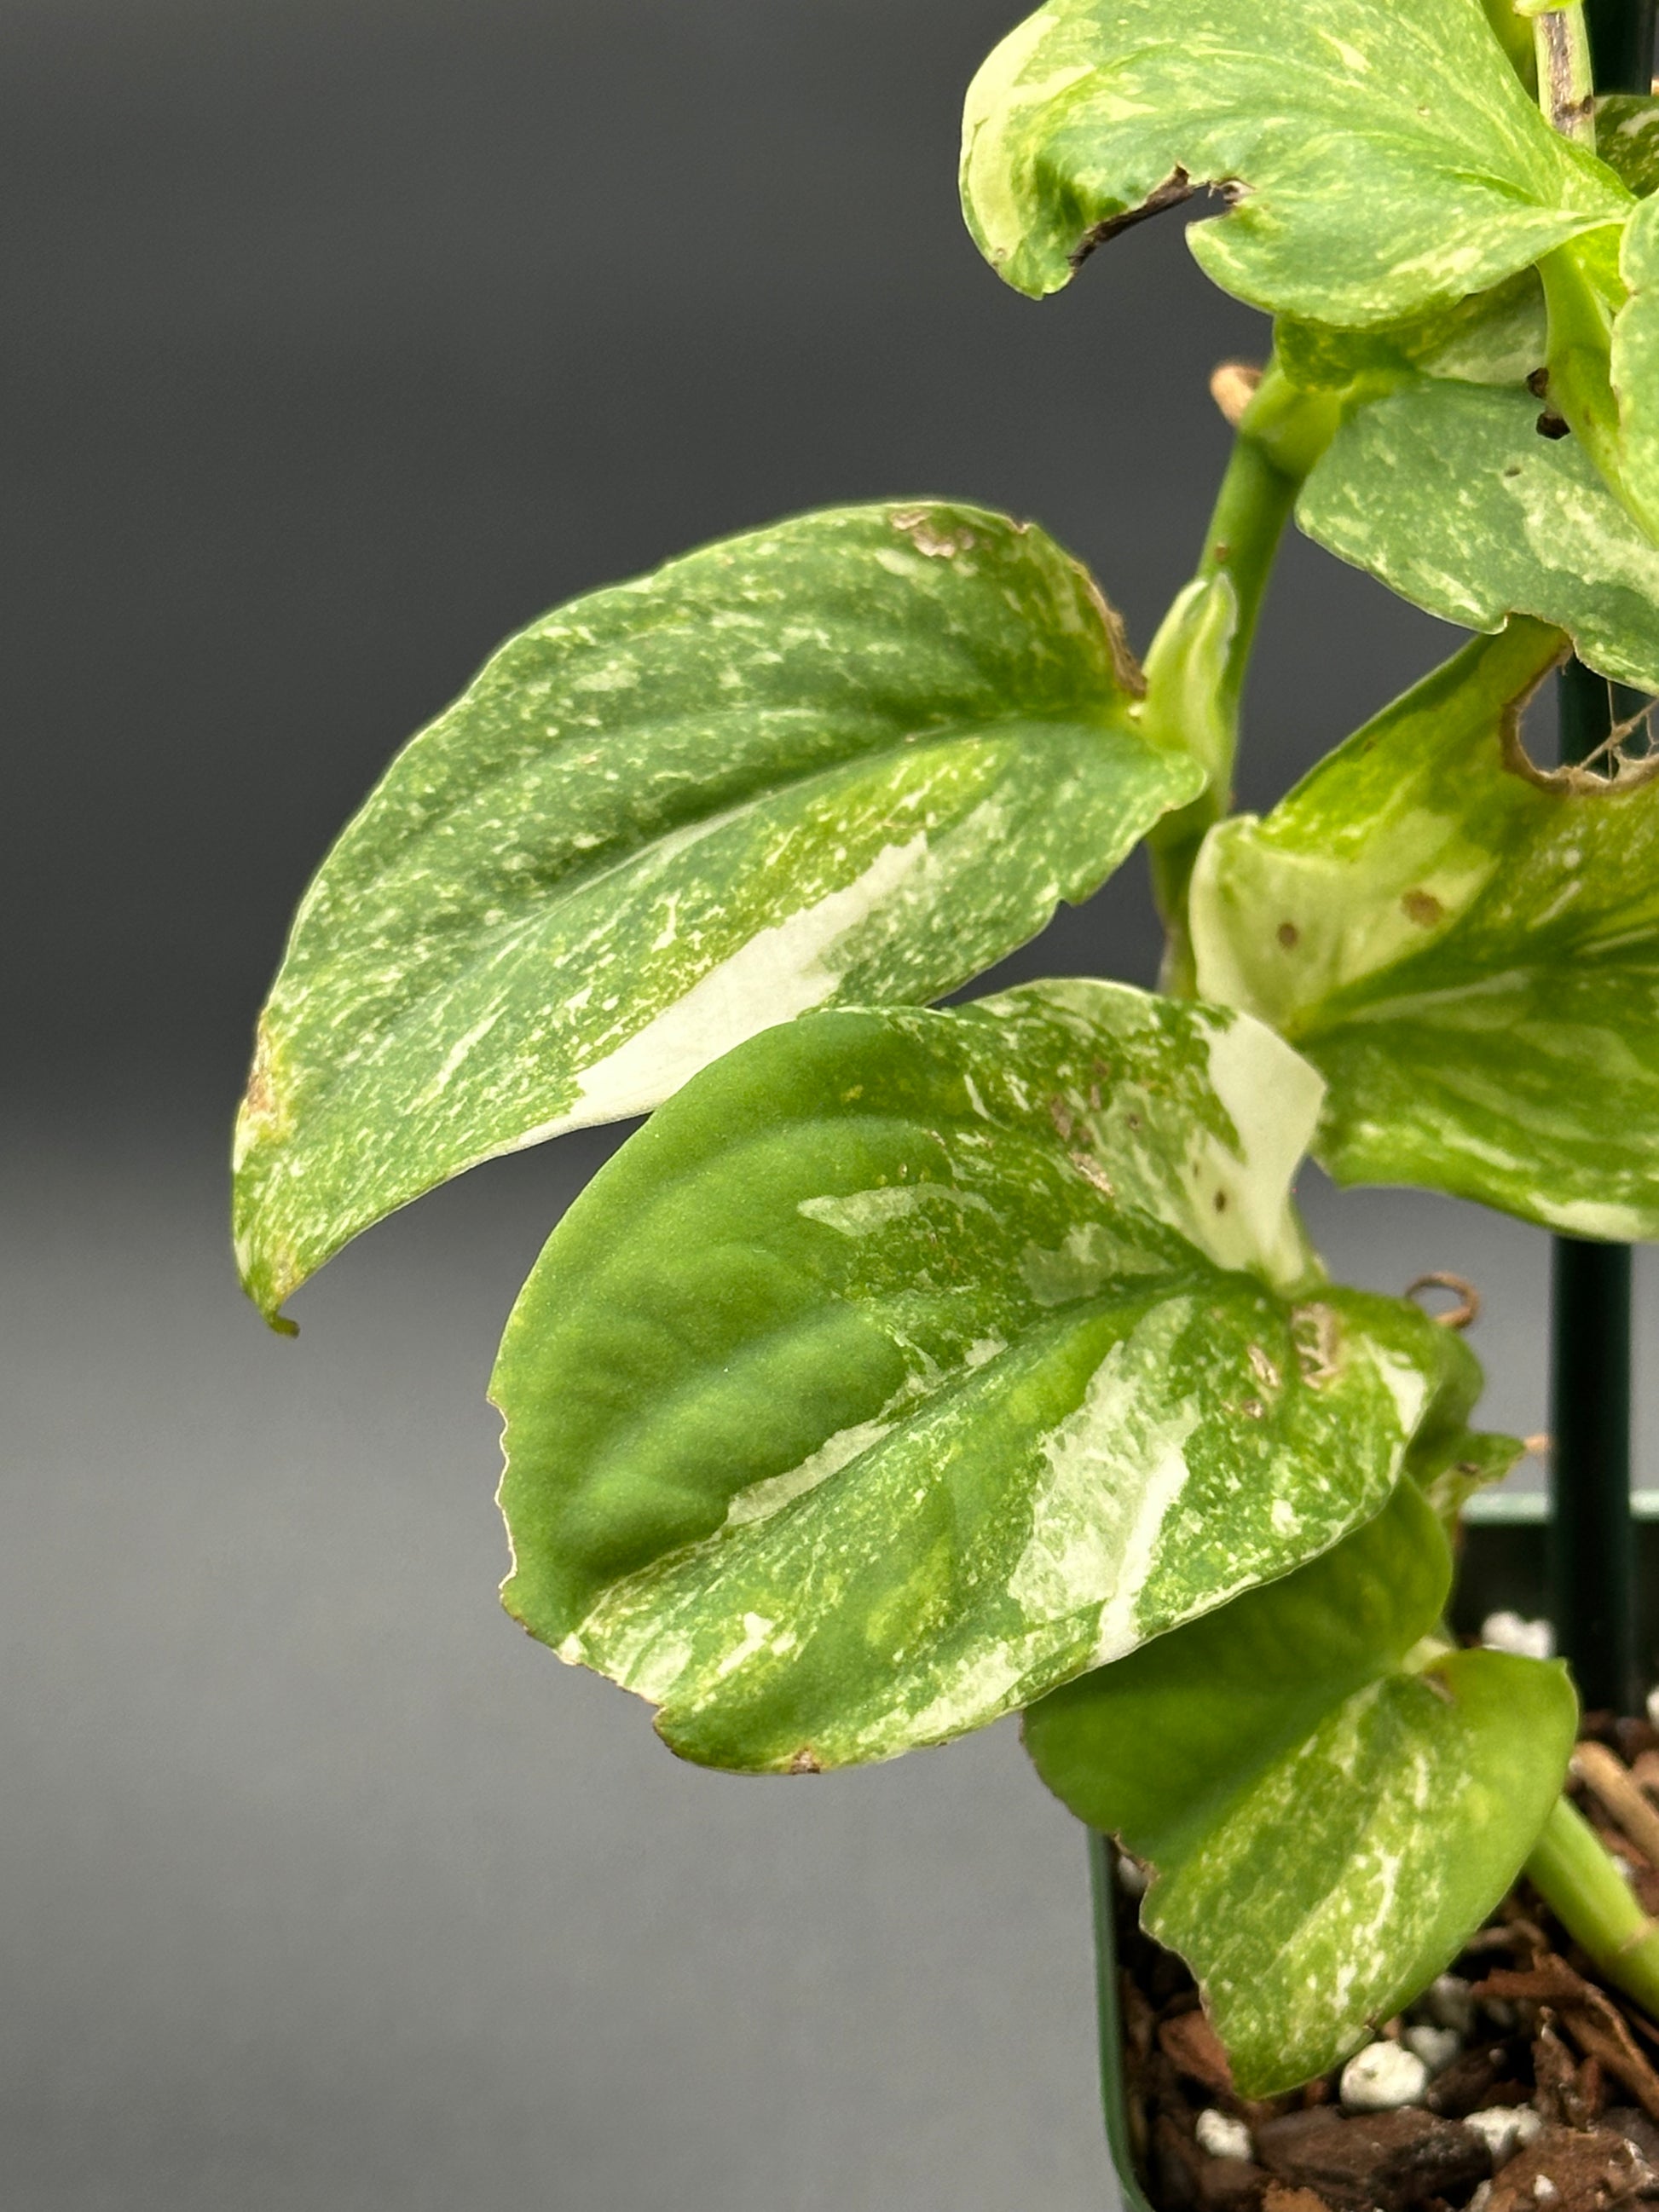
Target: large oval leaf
pixel 1383 154
pixel 905 1364
pixel 1327 1824
pixel 1466 948
pixel 861 755
pixel 1446 492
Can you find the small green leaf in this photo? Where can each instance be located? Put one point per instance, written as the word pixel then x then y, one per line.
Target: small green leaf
pixel 858 756
pixel 905 1364
pixel 1383 156
pixel 1336 1886
pixel 1627 139
pixel 1466 947
pixel 1446 492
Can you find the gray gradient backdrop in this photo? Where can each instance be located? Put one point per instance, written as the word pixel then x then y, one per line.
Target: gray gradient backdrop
pixel 337 339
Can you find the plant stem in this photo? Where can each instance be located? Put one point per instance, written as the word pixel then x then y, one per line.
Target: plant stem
pixel 1196 665
pixel 1573 1872
pixel 1592 1597
pixel 1567 89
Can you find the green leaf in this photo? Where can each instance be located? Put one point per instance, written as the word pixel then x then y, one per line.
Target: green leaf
pixel 1382 155
pixel 907 1363
pixel 1327 1824
pixel 1466 947
pixel 1498 337
pixel 1154 1749
pixel 859 755
pixel 1446 492
pixel 1351 1872
pixel 1635 362
pixel 1627 139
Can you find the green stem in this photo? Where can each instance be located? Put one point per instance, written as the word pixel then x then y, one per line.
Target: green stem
pixel 1566 87
pixel 1573 1872
pixel 1196 666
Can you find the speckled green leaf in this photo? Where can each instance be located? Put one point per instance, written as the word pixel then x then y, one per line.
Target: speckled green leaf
pixel 1326 1823
pixel 857 756
pixel 1497 336
pixel 1382 153
pixel 1347 1874
pixel 1627 139
pixel 1466 948
pixel 1635 363
pixel 1153 1749
pixel 1446 492
pixel 905 1364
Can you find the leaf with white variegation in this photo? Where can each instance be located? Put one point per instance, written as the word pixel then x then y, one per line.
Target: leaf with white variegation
pixel 1466 947
pixel 1382 153
pixel 1446 493
pixel 858 756
pixel 1627 139
pixel 907 1363
pixel 1635 363
pixel 1327 1823
pixel 1497 336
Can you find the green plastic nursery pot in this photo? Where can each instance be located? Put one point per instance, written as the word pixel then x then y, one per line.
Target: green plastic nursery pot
pixel 1503 1568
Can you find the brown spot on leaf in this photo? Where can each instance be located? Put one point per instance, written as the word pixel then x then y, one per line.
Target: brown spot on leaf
pixel 1060 1114
pixel 919 525
pixel 804 1761
pixel 1176 187
pixel 1289 935
pixel 1423 907
pixel 261 1104
pixel 1091 1171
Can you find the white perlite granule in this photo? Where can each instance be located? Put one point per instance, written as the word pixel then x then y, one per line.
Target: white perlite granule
pixel 1383 2077
pixel 1436 2046
pixel 1513 1632
pixel 1505 2129
pixel 1222 2136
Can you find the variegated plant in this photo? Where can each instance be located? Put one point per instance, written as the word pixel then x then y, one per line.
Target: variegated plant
pixel 911 1367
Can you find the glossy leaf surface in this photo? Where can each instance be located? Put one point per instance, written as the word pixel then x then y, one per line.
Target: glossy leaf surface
pixel 1446 492
pixel 1635 364
pixel 1326 1825
pixel 1153 1749
pixel 1382 153
pixel 1349 1874
pixel 1497 336
pixel 1466 948
pixel 905 1364
pixel 1627 139
pixel 859 755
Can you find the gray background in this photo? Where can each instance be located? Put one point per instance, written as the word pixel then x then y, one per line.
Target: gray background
pixel 337 340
